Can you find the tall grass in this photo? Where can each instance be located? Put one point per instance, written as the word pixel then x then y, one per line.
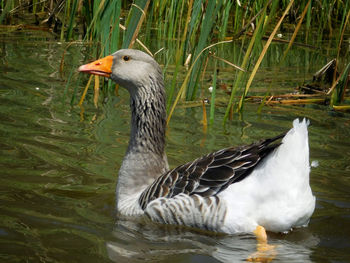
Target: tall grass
pixel 186 28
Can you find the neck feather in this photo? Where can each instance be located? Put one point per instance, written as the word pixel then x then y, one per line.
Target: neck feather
pixel 148 121
pixel 145 158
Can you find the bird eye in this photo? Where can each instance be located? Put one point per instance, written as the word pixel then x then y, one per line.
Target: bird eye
pixel 126 58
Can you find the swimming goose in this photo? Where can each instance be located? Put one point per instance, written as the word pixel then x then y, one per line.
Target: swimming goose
pixel 252 188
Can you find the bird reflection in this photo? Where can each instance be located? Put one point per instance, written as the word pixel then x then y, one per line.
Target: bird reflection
pixel 145 241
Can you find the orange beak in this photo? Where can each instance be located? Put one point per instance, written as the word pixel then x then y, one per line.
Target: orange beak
pixel 101 67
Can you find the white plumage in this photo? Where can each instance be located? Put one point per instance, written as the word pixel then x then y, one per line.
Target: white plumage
pixel 277 194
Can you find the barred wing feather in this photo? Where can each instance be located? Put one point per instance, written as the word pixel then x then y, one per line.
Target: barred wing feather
pixel 209 175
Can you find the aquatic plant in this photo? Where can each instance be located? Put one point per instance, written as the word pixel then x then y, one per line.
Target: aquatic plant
pixel 183 30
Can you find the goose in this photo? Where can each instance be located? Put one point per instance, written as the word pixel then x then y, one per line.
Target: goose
pixel 253 188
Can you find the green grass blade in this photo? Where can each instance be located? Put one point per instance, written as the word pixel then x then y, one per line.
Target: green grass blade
pixel 185 82
pixel 308 20
pixel 71 21
pixel 5 11
pixel 213 95
pixel 296 29
pixel 245 62
pixel 207 26
pixel 115 29
pixel 179 55
pixel 339 92
pixel 256 67
pixel 136 16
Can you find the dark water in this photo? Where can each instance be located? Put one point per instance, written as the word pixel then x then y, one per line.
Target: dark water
pixel 58 167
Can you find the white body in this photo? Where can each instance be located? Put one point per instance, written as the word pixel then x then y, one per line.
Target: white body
pixel 277 195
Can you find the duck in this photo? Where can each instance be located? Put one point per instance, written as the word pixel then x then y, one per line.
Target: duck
pixel 263 186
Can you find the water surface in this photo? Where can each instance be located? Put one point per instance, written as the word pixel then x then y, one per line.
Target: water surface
pixel 58 167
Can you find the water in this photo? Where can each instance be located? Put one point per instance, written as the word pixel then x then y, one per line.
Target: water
pixel 58 168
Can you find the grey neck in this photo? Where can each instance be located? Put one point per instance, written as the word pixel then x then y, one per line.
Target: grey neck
pixel 148 121
pixel 145 158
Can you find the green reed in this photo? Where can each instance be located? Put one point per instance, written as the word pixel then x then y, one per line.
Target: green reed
pixel 187 27
pixel 344 81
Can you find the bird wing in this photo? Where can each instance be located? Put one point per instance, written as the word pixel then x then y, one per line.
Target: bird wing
pixel 209 175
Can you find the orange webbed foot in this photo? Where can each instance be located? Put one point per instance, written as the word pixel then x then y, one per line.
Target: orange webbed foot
pixel 265 252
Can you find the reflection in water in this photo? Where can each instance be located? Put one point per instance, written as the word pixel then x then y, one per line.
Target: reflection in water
pixel 147 241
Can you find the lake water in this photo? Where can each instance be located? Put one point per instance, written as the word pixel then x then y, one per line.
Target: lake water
pixel 58 166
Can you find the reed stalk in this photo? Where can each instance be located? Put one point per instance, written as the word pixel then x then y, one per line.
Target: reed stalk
pixel 341 85
pixel 6 9
pixel 72 19
pixel 256 67
pixel 213 95
pixel 186 28
pixel 245 62
pixel 207 26
pixel 179 55
pixel 291 41
pixel 184 84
